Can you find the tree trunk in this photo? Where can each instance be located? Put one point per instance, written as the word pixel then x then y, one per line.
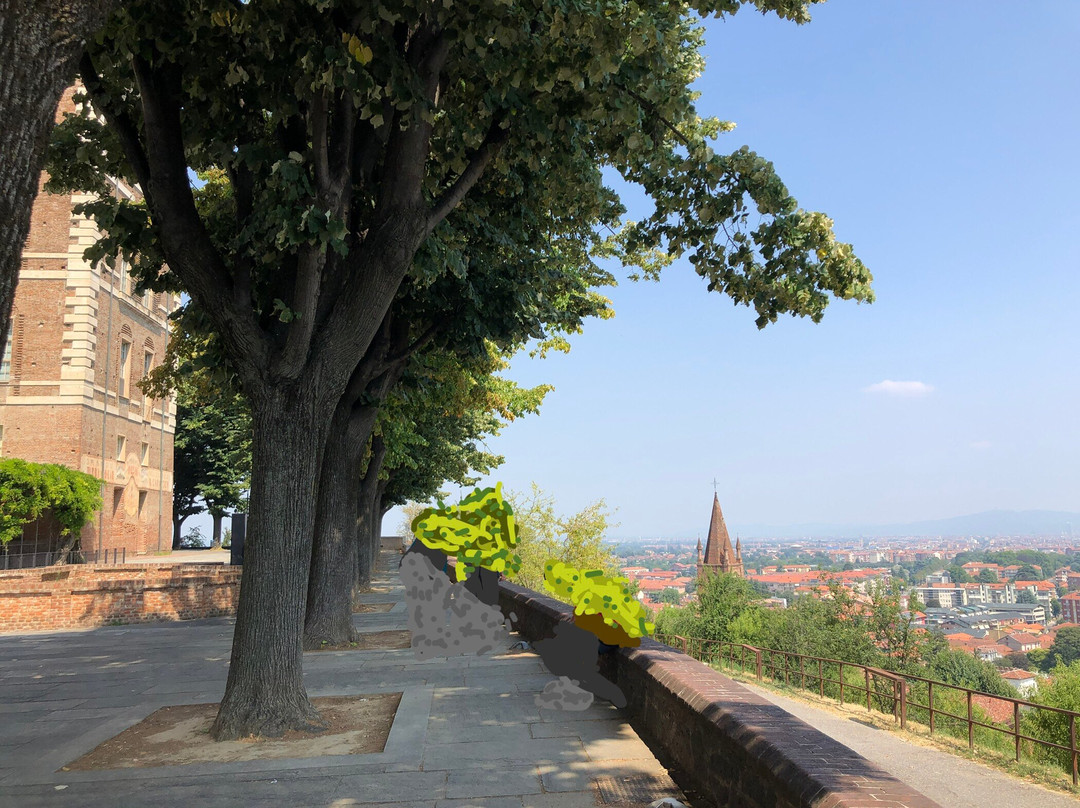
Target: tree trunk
pixel 215 542
pixel 177 526
pixel 265 694
pixel 369 522
pixel 379 511
pixel 40 45
pixel 334 560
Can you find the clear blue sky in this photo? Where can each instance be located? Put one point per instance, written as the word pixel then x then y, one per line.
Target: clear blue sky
pixel 942 139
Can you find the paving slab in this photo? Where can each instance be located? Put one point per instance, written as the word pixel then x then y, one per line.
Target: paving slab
pixel 493 782
pixel 467 731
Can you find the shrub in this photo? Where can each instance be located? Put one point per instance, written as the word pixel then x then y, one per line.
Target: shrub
pixel 28 489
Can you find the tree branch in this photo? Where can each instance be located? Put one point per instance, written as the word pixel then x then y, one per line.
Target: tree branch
pixel 118 118
pixel 419 343
pixel 305 299
pixel 187 245
pixel 407 153
pixel 651 107
pixel 243 183
pixel 481 159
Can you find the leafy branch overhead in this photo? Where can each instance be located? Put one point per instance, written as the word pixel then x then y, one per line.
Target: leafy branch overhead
pixel 293 111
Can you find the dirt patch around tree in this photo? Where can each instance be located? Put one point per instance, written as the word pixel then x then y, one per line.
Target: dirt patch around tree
pixel 176 736
pixel 373 641
pixel 371 608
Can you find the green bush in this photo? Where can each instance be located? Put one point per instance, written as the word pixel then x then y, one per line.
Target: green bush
pixel 29 489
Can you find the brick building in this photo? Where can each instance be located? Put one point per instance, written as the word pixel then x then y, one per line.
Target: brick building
pixel 1070 608
pixel 77 331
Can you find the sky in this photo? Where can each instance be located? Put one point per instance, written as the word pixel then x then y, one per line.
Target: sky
pixel 942 140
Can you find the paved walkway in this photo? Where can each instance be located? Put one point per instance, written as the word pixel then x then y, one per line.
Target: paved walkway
pixel 948 779
pixel 206 556
pixel 467 732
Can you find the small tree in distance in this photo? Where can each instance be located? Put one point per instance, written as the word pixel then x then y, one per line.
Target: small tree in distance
pixel 670 595
pixel 543 535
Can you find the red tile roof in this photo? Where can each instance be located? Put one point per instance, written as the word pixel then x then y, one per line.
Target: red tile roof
pixel 999 710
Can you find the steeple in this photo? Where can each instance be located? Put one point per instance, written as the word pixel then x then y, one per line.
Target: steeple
pixel 719 554
pixel 699 550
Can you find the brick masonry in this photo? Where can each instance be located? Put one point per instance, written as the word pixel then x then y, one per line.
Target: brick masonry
pixel 736 747
pixel 84 596
pixel 67 398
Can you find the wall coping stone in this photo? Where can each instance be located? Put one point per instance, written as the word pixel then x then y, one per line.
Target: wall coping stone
pixel 734 746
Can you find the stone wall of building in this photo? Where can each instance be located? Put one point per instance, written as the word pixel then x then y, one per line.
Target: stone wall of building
pixel 84 596
pixel 81 341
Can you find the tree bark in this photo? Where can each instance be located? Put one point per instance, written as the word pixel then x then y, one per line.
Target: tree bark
pixel 177 526
pixel 369 525
pixel 334 558
pixel 40 45
pixel 265 694
pixel 337 565
pixel 215 542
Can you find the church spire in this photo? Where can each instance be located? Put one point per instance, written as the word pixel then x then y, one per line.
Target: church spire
pixel 719 554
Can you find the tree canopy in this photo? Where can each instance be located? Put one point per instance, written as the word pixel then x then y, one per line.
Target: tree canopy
pixel 1065 649
pixel 348 146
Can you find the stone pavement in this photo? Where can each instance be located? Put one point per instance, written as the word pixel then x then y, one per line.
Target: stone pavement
pixel 206 556
pixel 943 777
pixel 467 732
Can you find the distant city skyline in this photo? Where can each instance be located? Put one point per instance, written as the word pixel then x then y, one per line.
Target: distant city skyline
pixel 942 143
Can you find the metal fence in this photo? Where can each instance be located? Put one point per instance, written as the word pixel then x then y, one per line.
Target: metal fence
pixel 943 708
pixel 22 561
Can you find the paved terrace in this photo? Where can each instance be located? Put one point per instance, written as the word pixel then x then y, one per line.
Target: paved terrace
pixel 467 732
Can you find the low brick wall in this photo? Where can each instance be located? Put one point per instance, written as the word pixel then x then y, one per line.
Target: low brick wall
pixel 736 748
pixel 81 596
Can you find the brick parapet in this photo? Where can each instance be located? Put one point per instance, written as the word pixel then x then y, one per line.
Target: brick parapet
pixel 736 747
pixel 82 596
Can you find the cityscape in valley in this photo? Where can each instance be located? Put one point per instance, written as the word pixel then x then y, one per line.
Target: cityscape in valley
pixel 1001 599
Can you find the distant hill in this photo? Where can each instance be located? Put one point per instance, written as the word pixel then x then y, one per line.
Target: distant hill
pixel 987 523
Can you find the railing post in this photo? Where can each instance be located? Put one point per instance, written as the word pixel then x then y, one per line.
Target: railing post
pixel 683 644
pixel 896 700
pixel 1016 727
pixel 1072 744
pixel 903 704
pixel 930 702
pixel 841 683
pixel 757 661
pixel 867 672
pixel 820 677
pixel 802 672
pixel 971 725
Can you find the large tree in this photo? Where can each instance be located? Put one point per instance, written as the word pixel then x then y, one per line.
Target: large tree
pixel 40 45
pixel 349 133
pixel 535 280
